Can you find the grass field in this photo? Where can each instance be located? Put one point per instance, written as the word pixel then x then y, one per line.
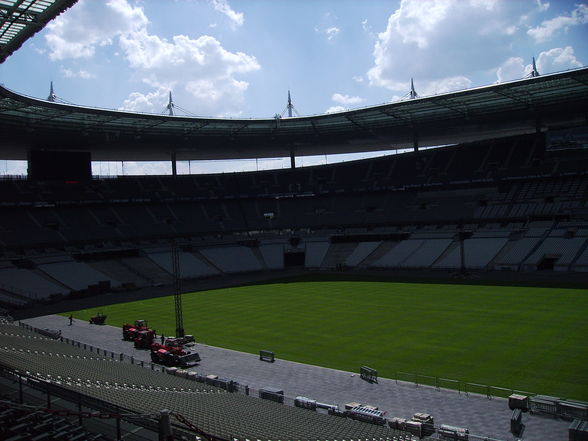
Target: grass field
pixel 527 338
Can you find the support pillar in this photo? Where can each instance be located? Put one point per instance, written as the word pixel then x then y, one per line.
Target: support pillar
pixel 20 394
pixel 118 431
pixel 462 265
pixel 165 430
pixel 292 160
pixel 415 142
pixel 174 164
pixel 80 421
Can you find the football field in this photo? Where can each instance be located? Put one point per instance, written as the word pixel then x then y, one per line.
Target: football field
pixel 526 338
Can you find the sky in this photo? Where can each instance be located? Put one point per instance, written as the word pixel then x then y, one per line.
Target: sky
pixel 239 58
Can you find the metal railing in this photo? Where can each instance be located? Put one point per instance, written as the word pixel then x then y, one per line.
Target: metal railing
pixel 460 386
pixel 88 412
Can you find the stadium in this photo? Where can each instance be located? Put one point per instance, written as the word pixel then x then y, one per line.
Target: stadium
pixel 437 293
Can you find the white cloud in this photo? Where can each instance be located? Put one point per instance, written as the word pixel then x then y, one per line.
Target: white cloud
pixel 335 109
pixel 512 69
pixel 367 28
pixel 435 41
pixel 331 32
pixel 152 102
pixel 14 168
pixel 557 59
pixel 147 168
pixel 444 85
pixel 542 6
pixel 346 99
pixel 553 60
pixel 38 50
pixel 547 28
pixel 200 72
pixel 357 78
pixel 222 6
pixel 415 20
pixel 89 24
pixel 83 74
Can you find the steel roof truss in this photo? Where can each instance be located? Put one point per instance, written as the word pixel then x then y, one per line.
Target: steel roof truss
pixel 447 105
pixel 238 129
pixel 13 15
pixel 394 115
pixel 526 101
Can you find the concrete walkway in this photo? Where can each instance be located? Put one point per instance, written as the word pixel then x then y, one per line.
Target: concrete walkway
pixel 482 416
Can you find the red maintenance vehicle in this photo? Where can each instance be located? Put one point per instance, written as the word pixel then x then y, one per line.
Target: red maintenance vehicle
pixel 173 353
pixel 144 338
pixel 130 331
pixel 98 319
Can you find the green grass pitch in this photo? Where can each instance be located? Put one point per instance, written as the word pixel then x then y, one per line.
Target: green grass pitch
pixel 526 338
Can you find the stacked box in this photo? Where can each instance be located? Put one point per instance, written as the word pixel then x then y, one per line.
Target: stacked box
pixel 305 403
pixel 517 401
pixel 414 427
pixel 327 406
pixel 516 422
pixel 427 423
pixel 272 394
pixel 182 373
pixel 211 379
pixel 397 423
pixel 544 404
pixel 351 405
pixel 423 418
pixel 337 412
pixel 367 415
pixel 578 430
pixel 453 433
pixel 570 410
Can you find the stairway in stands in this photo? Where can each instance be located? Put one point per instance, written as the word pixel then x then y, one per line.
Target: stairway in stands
pixel 377 253
pixel 337 254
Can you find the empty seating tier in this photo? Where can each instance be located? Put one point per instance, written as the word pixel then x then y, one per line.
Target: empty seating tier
pixel 213 410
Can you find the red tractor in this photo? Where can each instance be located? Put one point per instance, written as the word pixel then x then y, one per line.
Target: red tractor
pixel 98 319
pixel 172 353
pixel 144 338
pixel 130 331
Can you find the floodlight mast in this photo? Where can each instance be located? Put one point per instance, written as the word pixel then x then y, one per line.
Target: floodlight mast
pixel 170 105
pixel 177 290
pixel 52 97
pixel 534 71
pixel 289 106
pixel 170 108
pixel 413 93
pixel 290 109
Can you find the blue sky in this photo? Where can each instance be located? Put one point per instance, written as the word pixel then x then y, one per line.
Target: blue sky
pixel 238 58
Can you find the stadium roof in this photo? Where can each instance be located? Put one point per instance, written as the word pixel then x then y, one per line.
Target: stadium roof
pixel 517 107
pixel 21 19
